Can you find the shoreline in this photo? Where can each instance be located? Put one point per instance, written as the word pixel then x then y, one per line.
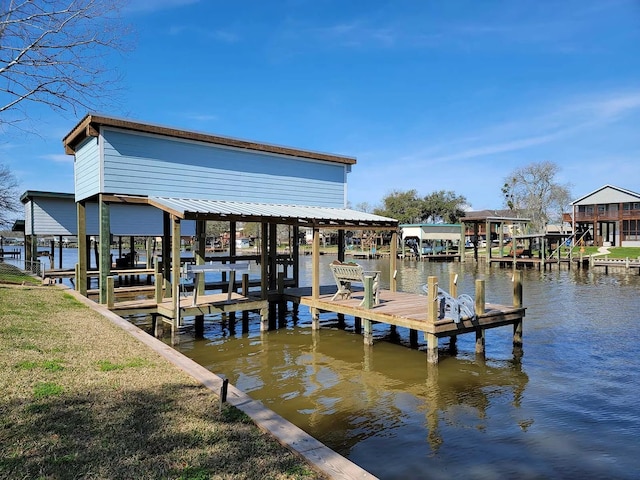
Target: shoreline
pixel 325 460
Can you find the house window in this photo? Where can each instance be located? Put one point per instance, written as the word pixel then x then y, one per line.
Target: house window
pixel 631 229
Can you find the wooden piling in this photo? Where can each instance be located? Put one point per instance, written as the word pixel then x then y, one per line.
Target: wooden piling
pixel 159 290
pixel 368 332
pixel 480 308
pixel 453 291
pixel 413 338
pixel 517 302
pixel 368 292
pixel 432 316
pixel 110 291
pixel 245 292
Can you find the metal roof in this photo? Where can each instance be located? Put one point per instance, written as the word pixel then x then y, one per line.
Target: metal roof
pixel 301 215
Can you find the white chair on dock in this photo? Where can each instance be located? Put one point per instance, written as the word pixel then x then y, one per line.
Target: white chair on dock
pixel 345 274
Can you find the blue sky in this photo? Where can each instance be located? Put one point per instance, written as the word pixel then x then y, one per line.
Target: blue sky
pixel 448 95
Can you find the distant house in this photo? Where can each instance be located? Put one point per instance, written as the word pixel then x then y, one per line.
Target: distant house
pixel 608 216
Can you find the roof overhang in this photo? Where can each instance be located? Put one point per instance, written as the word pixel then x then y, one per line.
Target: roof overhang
pixel 90 125
pixel 32 194
pixel 298 215
pixel 495 219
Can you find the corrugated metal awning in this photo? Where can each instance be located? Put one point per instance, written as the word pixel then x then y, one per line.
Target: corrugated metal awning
pixel 301 215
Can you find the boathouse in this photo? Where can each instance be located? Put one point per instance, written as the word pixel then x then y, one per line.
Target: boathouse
pixel 431 240
pixel 53 216
pixel 493 226
pixel 196 176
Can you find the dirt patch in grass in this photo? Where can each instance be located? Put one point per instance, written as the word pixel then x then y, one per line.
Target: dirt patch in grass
pixel 83 399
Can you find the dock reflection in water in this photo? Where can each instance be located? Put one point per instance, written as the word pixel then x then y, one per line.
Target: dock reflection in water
pixel 566 409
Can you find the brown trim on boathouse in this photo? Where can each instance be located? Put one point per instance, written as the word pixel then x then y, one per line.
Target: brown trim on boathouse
pixel 90 125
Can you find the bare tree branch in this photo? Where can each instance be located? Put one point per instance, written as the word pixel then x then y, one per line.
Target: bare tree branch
pixel 55 52
pixel 533 192
pixel 8 195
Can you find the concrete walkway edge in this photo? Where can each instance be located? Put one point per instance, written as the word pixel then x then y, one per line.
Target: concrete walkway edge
pixel 297 440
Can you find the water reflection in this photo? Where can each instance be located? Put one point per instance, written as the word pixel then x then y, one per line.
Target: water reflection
pixel 563 407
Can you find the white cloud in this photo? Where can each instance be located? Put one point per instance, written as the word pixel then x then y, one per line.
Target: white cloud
pixel 148 6
pixel 57 158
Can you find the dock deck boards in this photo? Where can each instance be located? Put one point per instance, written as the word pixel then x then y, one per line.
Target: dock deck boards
pixel 404 310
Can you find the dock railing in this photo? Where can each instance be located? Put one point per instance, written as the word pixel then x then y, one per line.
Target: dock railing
pixel 34 267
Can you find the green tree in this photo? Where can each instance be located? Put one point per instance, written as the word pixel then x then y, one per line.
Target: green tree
pixel 437 207
pixel 443 206
pixel 406 207
pixel 533 192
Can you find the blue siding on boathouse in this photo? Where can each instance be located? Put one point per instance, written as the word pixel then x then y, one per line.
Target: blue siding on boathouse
pixel 51 216
pixel 146 164
pixel 58 216
pixel 87 169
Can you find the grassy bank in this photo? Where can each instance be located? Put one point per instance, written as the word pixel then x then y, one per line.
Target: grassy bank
pixel 83 399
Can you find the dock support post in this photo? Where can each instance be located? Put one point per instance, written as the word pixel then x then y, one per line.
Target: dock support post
pixel 453 284
pixel 413 338
pixel 159 287
pixel 175 269
pixel 200 254
pixel 368 333
pixel 315 319
pixel 104 257
pixel 81 276
pixel 480 308
pixel 198 325
pixel 432 348
pixel 393 262
pixel 517 302
pixel 245 293
pixel 110 291
pixel 432 315
pixel 282 304
pixel 453 344
pixel 315 265
pixel 368 292
pixel 158 325
pixel 264 319
pixel 453 291
pixel 357 325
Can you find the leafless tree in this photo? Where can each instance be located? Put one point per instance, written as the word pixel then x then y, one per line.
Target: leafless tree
pixel 55 52
pixel 8 195
pixel 533 192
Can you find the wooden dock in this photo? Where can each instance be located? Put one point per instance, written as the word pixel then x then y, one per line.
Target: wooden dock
pixel 525 262
pixel 216 303
pixel 417 313
pixel 607 263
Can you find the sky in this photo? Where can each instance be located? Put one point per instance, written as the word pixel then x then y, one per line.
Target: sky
pixel 427 95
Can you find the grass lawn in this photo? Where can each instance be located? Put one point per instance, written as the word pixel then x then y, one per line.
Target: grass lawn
pixel 12 274
pixel 83 399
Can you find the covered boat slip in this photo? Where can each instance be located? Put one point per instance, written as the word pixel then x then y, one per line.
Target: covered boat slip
pixel 195 177
pixel 271 270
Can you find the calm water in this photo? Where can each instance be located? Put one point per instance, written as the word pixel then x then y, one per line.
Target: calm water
pixel 567 408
